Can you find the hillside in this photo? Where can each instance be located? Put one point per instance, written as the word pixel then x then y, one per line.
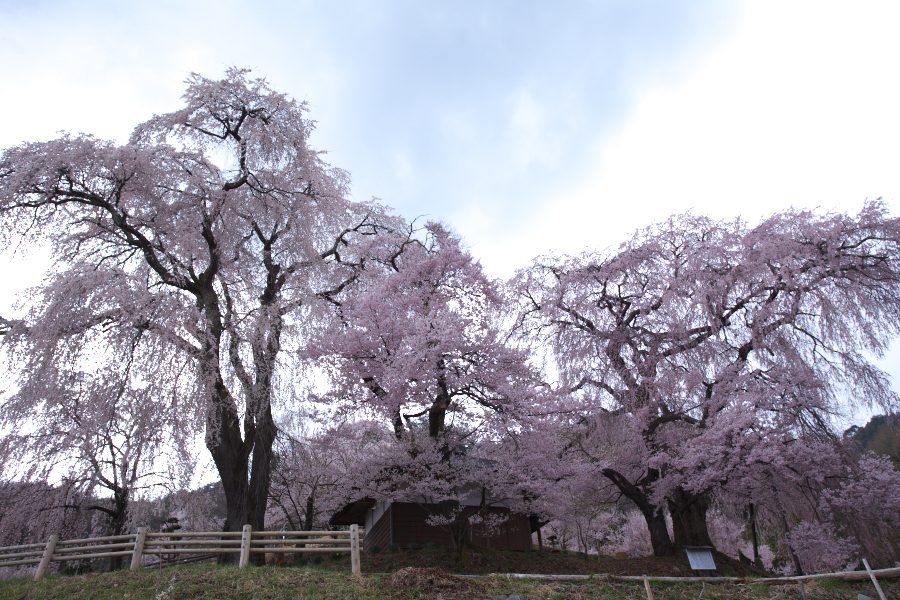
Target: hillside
pixel 208 582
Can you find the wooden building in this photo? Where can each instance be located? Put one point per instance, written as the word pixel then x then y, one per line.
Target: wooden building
pixel 403 523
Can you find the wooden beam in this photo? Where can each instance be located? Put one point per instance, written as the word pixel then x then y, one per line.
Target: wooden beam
pixel 246 534
pixel 138 551
pixel 354 549
pixel 47 557
pixel 872 577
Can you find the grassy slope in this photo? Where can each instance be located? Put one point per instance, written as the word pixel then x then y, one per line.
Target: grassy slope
pixel 482 562
pixel 332 580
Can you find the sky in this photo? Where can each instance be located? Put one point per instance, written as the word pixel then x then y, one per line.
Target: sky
pixel 528 127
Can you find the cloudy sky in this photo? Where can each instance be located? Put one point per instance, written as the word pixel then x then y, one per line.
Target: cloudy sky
pixel 527 126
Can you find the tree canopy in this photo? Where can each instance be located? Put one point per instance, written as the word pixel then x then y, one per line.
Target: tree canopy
pixel 717 346
pixel 218 232
pixel 209 263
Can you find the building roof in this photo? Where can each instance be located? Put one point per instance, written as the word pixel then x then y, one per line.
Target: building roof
pixel 353 513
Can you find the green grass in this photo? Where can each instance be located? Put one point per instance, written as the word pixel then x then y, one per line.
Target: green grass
pixel 833 584
pixel 208 582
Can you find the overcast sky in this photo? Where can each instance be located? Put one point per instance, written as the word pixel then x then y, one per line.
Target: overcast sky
pixel 526 126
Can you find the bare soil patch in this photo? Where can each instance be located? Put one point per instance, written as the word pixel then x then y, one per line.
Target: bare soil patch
pixel 483 561
pixel 427 579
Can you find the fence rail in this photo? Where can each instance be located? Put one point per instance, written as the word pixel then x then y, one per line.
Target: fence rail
pixel 162 545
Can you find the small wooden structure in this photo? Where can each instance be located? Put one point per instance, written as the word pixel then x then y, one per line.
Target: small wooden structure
pixel 403 523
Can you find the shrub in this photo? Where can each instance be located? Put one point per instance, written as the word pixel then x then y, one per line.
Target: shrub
pixel 317 559
pixel 581 554
pixel 335 556
pixel 507 549
pixel 375 549
pixel 392 548
pixel 412 546
pixel 429 545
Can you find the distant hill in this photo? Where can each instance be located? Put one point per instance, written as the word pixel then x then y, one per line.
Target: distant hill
pixel 880 435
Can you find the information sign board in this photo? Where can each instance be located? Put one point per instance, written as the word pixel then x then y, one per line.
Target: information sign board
pixel 700 558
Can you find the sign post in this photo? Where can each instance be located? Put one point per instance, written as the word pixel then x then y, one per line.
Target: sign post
pixel 701 558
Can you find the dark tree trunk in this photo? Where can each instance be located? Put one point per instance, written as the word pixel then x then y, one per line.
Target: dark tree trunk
pixel 246 486
pixel 310 508
pixel 797 566
pixel 757 561
pixel 659 532
pixel 116 525
pixel 229 452
pixel 244 463
pixel 459 528
pixel 234 482
pixel 461 534
pixel 261 476
pixel 306 523
pixel 688 512
pixel 653 515
pixel 261 472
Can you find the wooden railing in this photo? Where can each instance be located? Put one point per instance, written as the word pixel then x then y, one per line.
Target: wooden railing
pixel 144 543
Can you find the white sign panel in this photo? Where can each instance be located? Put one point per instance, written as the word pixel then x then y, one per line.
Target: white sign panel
pixel 701 559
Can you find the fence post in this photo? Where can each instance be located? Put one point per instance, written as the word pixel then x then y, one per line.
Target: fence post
pixel 354 549
pixel 48 555
pixel 647 587
pixel 246 534
pixel 875 581
pixel 138 548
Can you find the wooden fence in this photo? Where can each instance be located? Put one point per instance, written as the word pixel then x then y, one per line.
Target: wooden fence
pixel 161 545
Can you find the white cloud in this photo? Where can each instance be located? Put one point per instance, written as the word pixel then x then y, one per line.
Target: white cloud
pixel 528 137
pixel 798 108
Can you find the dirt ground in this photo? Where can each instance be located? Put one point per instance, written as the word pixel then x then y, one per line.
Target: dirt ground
pixel 483 561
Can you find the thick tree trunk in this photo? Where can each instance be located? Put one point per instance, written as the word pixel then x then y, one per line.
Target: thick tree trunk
pixel 224 440
pixel 230 454
pixel 659 532
pixel 757 561
pixel 653 515
pixel 688 512
pixel 117 523
pixel 261 471
pixel 246 486
pixel 261 477
pixel 233 474
pixel 242 458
